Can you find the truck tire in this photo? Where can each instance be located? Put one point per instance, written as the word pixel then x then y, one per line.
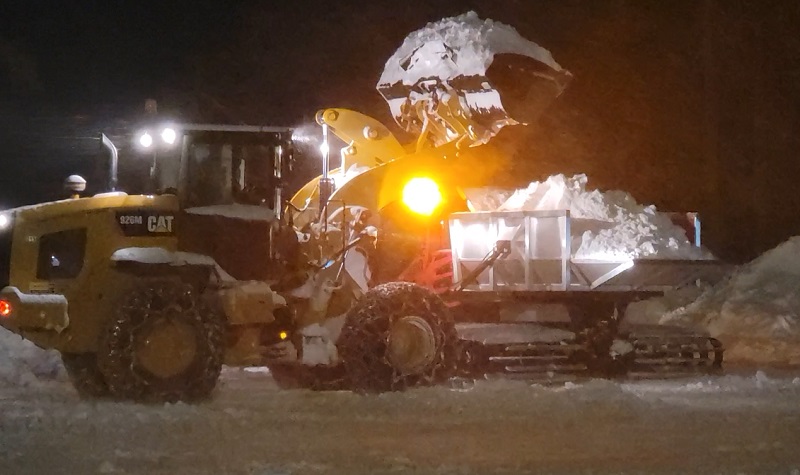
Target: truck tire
pixel 85 375
pixel 165 344
pixel 399 335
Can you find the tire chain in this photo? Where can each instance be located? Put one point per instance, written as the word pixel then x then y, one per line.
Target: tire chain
pixel 117 360
pixel 365 338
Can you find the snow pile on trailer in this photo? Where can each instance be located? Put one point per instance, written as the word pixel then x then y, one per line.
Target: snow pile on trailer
pixel 22 363
pixel 755 313
pixel 609 225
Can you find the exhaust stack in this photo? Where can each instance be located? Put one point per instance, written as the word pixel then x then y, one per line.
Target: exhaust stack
pixel 113 162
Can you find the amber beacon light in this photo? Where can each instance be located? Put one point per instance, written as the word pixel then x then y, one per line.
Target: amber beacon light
pixel 422 195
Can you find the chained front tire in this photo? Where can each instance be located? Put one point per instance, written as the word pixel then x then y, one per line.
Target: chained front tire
pixel 398 335
pixel 165 344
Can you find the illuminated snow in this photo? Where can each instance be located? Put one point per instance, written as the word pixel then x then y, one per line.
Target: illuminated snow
pixel 608 225
pixel 461 45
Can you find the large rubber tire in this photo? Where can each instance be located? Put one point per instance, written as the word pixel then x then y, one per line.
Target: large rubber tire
pixel 168 302
pixel 85 375
pixel 364 342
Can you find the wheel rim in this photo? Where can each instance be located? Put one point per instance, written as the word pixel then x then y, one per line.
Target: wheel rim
pixel 412 344
pixel 167 347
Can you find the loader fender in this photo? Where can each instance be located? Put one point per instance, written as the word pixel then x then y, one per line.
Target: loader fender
pixel 159 255
pixel 196 269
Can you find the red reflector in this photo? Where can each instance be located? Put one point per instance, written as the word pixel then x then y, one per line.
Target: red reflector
pixel 5 308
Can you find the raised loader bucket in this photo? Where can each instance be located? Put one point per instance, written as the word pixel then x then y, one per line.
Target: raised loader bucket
pixel 526 86
pixel 471 77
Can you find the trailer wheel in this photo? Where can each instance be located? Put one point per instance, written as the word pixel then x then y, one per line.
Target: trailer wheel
pixel 85 375
pixel 165 344
pixel 398 335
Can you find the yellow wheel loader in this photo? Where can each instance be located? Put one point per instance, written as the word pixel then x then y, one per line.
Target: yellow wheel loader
pixel 126 288
pixel 375 276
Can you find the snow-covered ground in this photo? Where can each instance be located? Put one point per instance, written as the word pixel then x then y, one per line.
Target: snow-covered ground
pixel 748 423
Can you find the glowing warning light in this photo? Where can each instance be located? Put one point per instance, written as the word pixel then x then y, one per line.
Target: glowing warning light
pixel 5 308
pixel 168 135
pixel 146 140
pixel 422 196
pixel 283 335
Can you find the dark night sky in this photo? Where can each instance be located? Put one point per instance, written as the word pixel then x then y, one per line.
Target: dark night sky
pixel 688 104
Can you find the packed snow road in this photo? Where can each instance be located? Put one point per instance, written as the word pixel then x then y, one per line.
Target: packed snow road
pixel 743 423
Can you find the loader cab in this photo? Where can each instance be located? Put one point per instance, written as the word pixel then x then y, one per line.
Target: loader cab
pixel 213 165
pixel 231 183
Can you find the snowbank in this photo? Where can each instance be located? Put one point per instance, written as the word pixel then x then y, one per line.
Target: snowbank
pixel 605 225
pixel 756 311
pixel 22 363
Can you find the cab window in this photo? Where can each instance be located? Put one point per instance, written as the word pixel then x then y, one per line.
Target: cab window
pixel 61 254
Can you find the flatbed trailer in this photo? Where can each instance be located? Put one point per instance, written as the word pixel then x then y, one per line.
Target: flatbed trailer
pixel 506 260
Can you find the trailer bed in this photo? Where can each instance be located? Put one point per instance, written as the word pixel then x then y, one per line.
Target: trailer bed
pixel 540 258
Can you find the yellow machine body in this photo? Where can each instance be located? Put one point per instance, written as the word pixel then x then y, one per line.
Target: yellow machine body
pixel 84 233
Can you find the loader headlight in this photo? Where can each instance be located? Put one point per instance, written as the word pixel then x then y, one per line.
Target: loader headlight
pixel 168 135
pixel 145 140
pixel 5 221
pixel 159 138
pixel 422 196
